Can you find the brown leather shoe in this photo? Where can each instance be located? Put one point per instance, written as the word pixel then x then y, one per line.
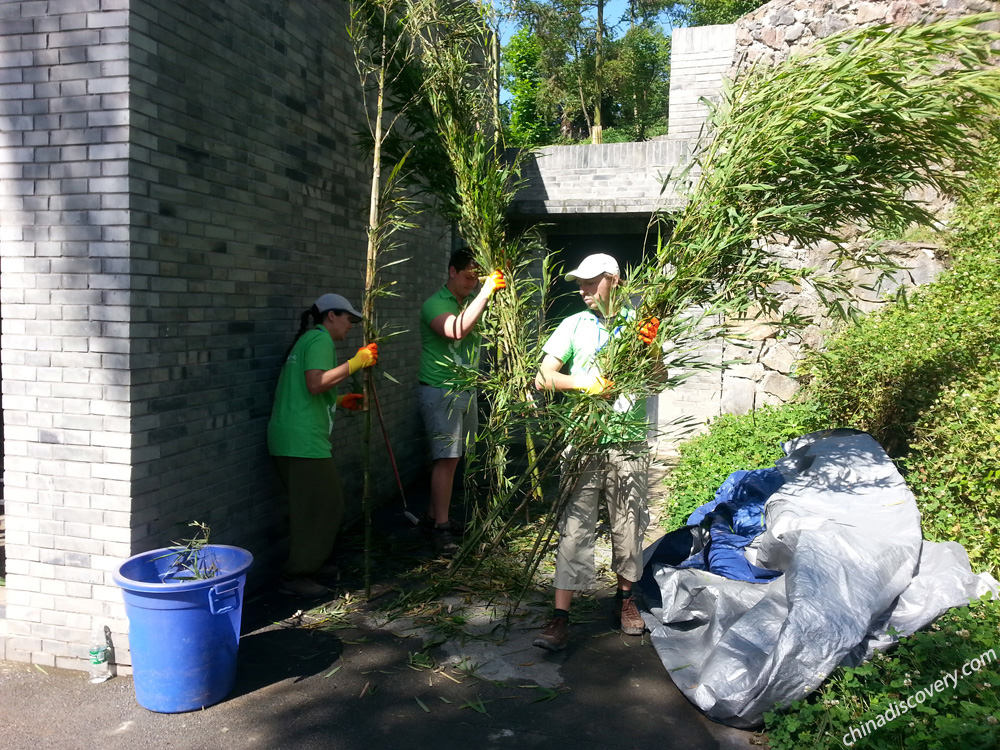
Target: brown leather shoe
pixel 554 635
pixel 632 622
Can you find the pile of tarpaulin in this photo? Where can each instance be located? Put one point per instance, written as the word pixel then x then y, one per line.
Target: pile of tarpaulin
pixel 794 570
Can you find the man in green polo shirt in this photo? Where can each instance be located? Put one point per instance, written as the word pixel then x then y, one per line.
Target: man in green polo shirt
pixel 447 339
pixel 619 471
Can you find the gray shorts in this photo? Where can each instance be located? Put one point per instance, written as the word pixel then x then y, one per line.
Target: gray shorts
pixel 451 419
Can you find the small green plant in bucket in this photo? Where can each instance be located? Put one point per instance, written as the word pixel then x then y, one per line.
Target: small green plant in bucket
pixel 189 559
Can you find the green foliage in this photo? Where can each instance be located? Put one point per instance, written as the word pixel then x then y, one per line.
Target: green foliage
pixel 710 12
pixel 637 77
pixel 962 714
pixel 882 374
pixel 823 141
pixel 924 375
pixel 954 467
pixel 557 72
pixel 528 125
pixel 954 459
pixel 750 441
pixel 189 559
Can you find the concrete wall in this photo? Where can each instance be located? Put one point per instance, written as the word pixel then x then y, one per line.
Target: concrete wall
pixel 699 58
pixel 607 178
pixel 179 181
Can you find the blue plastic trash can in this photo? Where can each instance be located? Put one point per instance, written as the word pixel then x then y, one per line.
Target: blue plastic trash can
pixel 183 634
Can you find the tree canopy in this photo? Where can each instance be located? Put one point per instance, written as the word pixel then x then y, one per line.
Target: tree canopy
pixel 573 74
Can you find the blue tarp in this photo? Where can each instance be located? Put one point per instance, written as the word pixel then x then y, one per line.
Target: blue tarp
pixel 734 519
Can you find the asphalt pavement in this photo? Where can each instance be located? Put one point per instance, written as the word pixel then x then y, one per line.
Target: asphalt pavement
pixel 350 674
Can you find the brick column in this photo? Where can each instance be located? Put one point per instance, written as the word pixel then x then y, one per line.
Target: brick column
pixel 65 310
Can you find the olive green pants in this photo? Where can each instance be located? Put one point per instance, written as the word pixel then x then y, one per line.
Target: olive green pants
pixel 316 506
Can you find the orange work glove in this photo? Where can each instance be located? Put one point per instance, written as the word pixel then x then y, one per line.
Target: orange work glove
pixel 366 357
pixel 596 385
pixel 647 330
pixel 351 401
pixel 495 281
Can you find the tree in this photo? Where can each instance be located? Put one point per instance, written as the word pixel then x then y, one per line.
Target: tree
pixel 579 82
pixel 528 122
pixel 709 12
pixel 638 79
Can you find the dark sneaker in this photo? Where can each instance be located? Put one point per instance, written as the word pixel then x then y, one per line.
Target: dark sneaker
pixel 554 635
pixel 445 543
pixel 455 527
pixel 302 588
pixel 631 621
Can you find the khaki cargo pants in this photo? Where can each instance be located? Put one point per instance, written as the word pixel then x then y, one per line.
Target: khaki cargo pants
pixel 621 475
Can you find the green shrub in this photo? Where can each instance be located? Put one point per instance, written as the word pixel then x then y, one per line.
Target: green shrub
pixel 881 374
pixel 751 441
pixel 922 377
pixel 954 468
pixel 963 715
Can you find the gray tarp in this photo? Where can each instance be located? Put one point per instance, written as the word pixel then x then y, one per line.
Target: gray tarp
pixel 845 530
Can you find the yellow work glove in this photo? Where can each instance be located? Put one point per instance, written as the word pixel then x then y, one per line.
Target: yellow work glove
pixel 351 401
pixel 596 385
pixel 366 357
pixel 494 282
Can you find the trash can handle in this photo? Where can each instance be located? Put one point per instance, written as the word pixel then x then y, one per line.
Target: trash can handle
pixel 224 597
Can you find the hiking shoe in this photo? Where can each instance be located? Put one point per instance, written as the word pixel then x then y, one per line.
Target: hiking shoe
pixel 628 613
pixel 445 543
pixel 455 527
pixel 554 635
pixel 302 588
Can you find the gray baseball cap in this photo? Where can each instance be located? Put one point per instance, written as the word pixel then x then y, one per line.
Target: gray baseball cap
pixel 336 302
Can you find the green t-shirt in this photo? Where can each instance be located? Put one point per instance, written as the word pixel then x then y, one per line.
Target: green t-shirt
pixel 437 353
pixel 301 422
pixel 576 343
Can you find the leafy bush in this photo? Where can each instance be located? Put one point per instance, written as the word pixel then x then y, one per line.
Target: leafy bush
pixel 954 468
pixel 751 441
pixel 881 374
pixel 922 376
pixel 962 715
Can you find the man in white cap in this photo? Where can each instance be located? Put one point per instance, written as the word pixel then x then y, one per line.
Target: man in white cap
pixel 298 438
pixel 619 471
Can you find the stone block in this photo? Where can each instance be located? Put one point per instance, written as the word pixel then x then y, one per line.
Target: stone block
pixel 737 395
pixel 781 386
pixel 778 356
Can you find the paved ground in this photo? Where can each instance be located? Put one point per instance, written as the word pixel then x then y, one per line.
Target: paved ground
pixel 345 675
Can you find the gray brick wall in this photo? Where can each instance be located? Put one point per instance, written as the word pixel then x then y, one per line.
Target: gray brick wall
pixel 179 181
pixel 64 302
pixel 699 57
pixel 609 178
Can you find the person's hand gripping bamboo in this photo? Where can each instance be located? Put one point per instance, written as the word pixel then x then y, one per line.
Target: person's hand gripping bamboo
pixel 594 385
pixel 494 282
pixel 647 330
pixel 367 356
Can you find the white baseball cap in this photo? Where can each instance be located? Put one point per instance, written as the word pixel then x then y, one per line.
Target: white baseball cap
pixel 336 302
pixel 593 266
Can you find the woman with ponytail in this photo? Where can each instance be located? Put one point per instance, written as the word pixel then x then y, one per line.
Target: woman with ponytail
pixel 298 437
